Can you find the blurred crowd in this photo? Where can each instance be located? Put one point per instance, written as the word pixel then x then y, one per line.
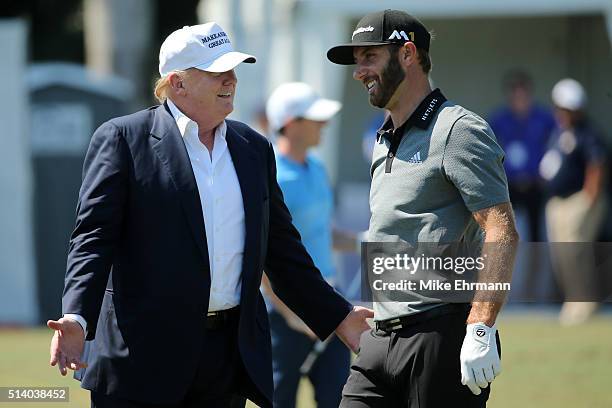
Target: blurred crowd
pixel 556 164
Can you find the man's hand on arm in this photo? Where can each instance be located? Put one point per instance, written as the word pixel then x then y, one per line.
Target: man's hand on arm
pixel 353 325
pixel 67 344
pixel 480 362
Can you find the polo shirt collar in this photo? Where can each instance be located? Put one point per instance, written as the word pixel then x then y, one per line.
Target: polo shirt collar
pixel 421 117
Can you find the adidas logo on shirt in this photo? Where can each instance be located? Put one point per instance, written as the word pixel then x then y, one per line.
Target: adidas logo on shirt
pixel 416 159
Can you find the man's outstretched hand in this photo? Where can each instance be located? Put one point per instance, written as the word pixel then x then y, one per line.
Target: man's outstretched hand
pixel 66 345
pixel 353 325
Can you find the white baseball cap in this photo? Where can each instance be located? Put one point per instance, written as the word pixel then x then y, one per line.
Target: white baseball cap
pixel 205 46
pixel 569 94
pixel 298 100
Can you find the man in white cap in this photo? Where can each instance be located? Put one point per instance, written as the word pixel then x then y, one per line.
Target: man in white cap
pixel 296 115
pixel 179 211
pixel 574 168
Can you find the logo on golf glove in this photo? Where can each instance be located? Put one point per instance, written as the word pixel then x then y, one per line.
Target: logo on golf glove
pixel 480 362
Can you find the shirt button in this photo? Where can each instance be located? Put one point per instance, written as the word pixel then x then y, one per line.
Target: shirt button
pixel 390 154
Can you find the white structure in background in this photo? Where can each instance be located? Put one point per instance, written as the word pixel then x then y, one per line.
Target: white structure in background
pixel 17 269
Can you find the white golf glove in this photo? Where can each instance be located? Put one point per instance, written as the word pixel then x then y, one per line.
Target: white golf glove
pixel 480 362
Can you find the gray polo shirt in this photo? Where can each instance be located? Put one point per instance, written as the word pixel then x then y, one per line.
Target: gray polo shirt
pixel 428 178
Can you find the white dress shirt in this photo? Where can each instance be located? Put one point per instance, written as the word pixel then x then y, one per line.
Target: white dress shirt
pixel 223 210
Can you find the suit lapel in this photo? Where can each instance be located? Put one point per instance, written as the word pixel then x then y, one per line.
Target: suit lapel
pixel 172 153
pixel 248 170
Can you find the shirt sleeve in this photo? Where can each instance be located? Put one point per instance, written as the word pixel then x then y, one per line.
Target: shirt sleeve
pixel 77 318
pixel 594 149
pixel 473 163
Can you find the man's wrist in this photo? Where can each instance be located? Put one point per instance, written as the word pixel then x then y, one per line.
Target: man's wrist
pixel 474 320
pixel 483 312
pixel 79 319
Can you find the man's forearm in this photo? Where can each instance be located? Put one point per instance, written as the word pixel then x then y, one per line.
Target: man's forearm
pixel 499 251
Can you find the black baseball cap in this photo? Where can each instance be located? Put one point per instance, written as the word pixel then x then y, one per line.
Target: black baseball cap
pixel 380 28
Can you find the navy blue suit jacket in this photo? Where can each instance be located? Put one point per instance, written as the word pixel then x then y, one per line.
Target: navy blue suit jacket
pixel 138 269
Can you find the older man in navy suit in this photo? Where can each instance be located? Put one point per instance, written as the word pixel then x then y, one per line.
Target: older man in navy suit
pixel 178 214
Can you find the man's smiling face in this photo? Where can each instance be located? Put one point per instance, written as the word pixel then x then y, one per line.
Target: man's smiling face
pixel 212 91
pixel 379 70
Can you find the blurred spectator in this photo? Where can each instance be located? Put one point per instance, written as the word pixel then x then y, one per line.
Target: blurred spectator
pixel 574 168
pixel 296 115
pixel 522 127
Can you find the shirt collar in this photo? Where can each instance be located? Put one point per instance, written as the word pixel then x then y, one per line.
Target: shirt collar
pixel 183 122
pixel 421 117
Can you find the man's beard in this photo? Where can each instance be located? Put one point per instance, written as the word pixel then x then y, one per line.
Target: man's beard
pixel 390 79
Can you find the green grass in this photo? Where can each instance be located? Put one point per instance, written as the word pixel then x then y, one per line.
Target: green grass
pixel 544 365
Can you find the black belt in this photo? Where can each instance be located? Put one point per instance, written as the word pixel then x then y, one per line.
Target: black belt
pixel 221 318
pixel 398 323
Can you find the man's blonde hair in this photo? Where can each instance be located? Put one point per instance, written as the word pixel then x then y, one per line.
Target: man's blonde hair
pixel 162 85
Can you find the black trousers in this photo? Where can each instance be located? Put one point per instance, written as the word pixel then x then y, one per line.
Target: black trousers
pixel 414 367
pixel 218 380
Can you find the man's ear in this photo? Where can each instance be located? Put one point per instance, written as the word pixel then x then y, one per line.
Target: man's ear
pixel 176 82
pixel 408 54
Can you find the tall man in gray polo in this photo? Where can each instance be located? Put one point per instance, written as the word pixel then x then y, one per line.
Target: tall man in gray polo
pixel 437 177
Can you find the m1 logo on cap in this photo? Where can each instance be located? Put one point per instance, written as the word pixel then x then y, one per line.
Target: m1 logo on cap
pixel 220 37
pixel 395 35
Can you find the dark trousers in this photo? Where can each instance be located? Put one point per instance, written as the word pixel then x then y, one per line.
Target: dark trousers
pixel 414 367
pixel 530 197
pixel 289 350
pixel 220 375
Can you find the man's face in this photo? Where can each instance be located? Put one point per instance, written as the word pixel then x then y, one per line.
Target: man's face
pixel 379 70
pixel 520 99
pixel 565 117
pixel 305 132
pixel 211 91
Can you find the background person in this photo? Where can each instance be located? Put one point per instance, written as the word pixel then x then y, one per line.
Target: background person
pixel 522 128
pixel 296 115
pixel 178 213
pixel 575 170
pixel 437 176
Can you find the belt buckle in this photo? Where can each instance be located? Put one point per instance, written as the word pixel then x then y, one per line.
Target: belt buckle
pixel 390 325
pixel 393 324
pixel 212 314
